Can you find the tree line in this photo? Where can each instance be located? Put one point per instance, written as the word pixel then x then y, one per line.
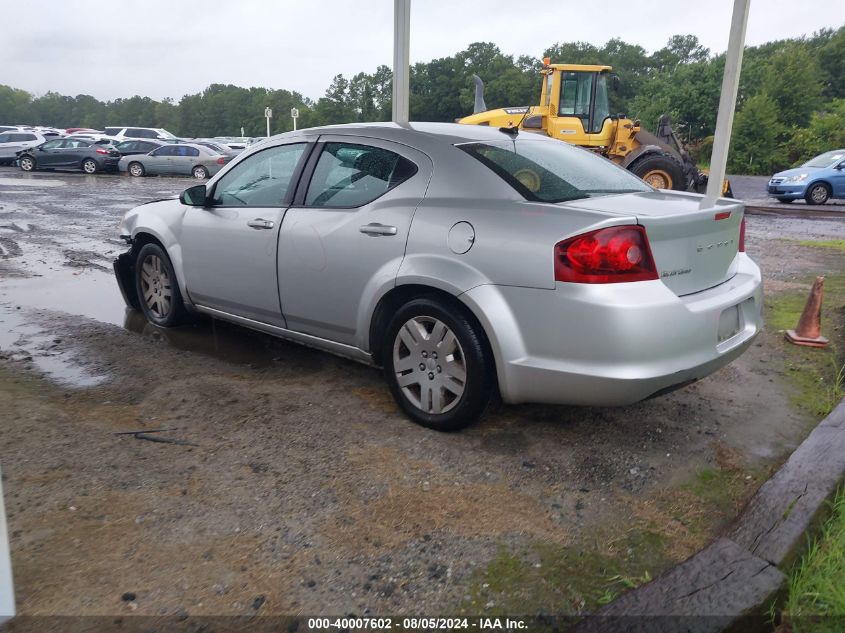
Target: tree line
pixel 791 102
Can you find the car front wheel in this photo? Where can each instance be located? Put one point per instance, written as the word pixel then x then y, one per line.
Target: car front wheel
pixel 27 163
pixel 437 365
pixel 136 169
pixel 158 290
pixel 817 194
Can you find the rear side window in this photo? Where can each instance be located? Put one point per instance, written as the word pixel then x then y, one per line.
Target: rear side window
pixel 351 175
pixel 553 172
pixel 113 131
pixel 166 151
pixel 22 137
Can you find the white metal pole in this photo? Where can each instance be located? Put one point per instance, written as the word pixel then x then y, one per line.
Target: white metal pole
pixel 727 102
pixel 268 127
pixel 294 124
pixel 401 59
pixel 7 591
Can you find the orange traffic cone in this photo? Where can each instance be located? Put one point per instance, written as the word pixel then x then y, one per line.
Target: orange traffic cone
pixel 809 329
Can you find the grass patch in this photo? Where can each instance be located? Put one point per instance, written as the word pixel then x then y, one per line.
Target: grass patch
pixel 817 376
pixel 838 245
pixel 551 579
pixel 817 584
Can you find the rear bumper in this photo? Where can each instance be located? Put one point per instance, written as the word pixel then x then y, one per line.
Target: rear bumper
pixel 614 344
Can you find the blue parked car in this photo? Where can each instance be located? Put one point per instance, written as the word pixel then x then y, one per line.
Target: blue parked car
pixel 817 181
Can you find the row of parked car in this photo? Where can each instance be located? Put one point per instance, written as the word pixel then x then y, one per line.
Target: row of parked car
pixel 136 150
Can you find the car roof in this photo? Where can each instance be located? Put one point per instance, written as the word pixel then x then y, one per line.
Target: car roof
pixel 418 133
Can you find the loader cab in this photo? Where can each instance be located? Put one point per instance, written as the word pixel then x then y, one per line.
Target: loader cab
pixel 578 105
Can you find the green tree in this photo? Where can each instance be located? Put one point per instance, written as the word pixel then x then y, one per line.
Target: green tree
pixel 794 80
pixel 825 132
pixel 755 138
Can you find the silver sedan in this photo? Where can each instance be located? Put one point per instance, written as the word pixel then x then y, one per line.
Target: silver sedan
pixel 184 159
pixel 463 260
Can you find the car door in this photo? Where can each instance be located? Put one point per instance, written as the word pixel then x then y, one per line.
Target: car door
pixel 74 151
pixel 49 154
pixel 346 231
pixel 837 180
pixel 156 162
pixel 229 247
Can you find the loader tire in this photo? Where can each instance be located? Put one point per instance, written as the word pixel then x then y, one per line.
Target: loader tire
pixel 661 171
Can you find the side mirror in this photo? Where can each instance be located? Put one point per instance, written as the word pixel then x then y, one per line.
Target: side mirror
pixel 194 196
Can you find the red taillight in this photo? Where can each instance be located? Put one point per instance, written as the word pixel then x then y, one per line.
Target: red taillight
pixel 742 236
pixel 221 161
pixel 723 215
pixel 606 256
pixel 102 151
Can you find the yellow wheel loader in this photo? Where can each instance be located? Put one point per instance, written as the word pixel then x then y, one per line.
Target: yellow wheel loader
pixel 574 108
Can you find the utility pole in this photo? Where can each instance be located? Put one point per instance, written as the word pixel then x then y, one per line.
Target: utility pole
pixel 401 59
pixel 727 102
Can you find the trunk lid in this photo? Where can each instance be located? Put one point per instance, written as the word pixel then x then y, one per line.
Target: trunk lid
pixel 694 248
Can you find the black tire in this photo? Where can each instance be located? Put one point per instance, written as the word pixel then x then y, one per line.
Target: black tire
pixel 471 353
pixel 785 200
pixel 27 163
pixel 199 172
pixel 663 166
pixel 153 282
pixel 817 193
pixel 89 166
pixel 136 169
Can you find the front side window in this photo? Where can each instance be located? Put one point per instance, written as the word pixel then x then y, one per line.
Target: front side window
pixel 262 180
pixel 552 171
pixel 350 175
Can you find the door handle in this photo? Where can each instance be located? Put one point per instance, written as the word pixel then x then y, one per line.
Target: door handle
pixel 259 223
pixel 378 229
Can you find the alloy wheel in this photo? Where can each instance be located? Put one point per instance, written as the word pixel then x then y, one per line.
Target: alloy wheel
pixel 156 286
pixel 429 364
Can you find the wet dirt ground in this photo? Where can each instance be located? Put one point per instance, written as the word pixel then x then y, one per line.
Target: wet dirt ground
pixel 295 485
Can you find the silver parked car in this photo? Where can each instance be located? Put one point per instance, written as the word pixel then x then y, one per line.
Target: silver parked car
pixel 461 259
pixel 182 159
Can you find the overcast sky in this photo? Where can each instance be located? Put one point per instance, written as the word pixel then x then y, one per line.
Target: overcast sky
pixel 167 48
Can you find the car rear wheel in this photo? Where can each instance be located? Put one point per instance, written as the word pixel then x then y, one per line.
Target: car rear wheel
pixel 199 172
pixel 157 287
pixel 27 163
pixel 89 166
pixel 136 169
pixel 661 171
pixel 437 365
pixel 817 194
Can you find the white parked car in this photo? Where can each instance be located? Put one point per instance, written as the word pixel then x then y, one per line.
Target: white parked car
pixel 123 132
pixel 13 142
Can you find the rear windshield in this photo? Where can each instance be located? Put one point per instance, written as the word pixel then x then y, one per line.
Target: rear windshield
pixel 553 172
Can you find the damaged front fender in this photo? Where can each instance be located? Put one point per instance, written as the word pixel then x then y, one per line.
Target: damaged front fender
pixel 124 271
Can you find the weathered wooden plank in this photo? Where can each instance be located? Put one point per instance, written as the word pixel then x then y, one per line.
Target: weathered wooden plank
pixel 714 590
pixel 775 522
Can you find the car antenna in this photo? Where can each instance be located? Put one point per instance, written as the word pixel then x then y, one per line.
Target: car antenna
pixel 513 130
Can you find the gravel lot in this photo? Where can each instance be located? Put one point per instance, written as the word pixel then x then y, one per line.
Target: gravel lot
pixel 298 487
